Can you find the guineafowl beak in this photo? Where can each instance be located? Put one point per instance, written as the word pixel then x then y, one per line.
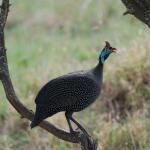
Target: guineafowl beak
pixel 113 50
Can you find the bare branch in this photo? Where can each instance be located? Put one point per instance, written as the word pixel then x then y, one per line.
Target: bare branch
pixel 4 13
pixel 9 90
pixel 86 142
pixel 139 8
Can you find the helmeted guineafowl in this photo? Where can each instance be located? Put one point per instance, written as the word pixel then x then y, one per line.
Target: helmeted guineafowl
pixel 71 93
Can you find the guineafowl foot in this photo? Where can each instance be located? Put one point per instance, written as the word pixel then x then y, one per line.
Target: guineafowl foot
pixel 74 132
pixel 80 127
pixel 69 117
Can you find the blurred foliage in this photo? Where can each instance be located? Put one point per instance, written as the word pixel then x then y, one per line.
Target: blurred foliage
pixel 48 38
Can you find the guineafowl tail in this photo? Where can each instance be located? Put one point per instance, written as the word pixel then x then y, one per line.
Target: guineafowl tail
pixel 39 116
pixel 35 122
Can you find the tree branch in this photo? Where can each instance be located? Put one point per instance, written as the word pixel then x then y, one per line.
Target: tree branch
pixel 139 8
pixel 10 92
pixel 86 142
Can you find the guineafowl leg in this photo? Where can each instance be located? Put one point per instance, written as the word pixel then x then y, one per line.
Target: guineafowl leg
pixel 79 126
pixel 68 114
pixel 69 117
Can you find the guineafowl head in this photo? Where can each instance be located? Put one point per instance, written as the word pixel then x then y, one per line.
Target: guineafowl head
pixel 106 51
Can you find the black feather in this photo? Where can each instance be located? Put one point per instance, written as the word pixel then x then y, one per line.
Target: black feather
pixel 70 93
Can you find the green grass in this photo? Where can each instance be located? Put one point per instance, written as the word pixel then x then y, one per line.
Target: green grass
pixel 48 38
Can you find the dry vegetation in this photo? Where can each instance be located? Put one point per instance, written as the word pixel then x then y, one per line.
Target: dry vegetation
pixel 51 38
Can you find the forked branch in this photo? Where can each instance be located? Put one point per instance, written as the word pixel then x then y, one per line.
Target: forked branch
pixel 138 8
pixel 9 90
pixel 86 142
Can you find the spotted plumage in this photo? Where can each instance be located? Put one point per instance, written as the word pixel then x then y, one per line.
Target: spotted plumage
pixel 70 93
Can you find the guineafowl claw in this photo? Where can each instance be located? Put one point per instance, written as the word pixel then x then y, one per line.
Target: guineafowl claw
pixel 75 132
pixel 83 131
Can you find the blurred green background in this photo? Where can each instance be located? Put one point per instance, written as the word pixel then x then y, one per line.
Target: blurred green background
pixel 48 38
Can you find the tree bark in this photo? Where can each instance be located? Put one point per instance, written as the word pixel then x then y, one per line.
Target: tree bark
pixel 139 8
pixel 86 142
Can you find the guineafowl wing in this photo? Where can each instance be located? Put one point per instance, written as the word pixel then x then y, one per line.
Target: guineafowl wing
pixel 67 91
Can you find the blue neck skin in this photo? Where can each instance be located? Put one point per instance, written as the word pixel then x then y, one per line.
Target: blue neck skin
pixel 104 54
